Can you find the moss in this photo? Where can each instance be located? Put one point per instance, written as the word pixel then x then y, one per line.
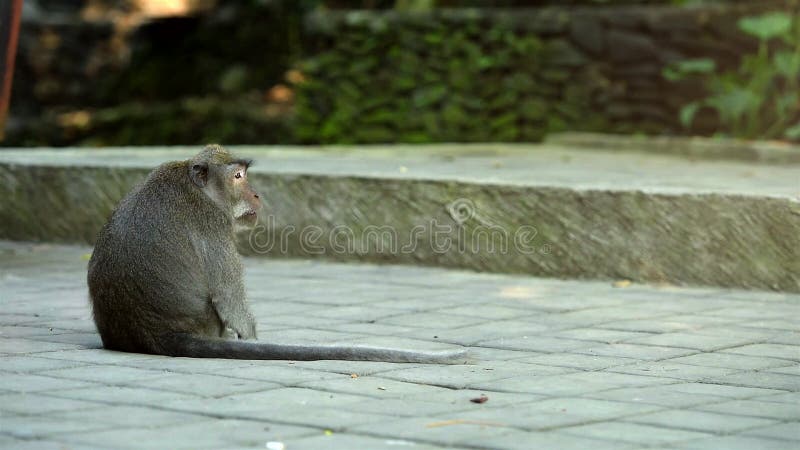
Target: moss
pixel 437 76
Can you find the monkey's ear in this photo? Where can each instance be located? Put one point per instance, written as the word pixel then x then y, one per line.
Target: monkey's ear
pixel 199 174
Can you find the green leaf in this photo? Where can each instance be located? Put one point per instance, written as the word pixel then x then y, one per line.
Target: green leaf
pixel 734 104
pixel 766 26
pixel 670 74
pixel 699 65
pixel 787 63
pixel 681 69
pixel 793 132
pixel 786 103
pixel 687 114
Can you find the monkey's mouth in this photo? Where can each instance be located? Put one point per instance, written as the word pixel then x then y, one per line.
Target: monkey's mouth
pixel 249 214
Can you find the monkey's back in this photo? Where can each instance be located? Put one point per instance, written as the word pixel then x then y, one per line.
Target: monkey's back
pixel 148 273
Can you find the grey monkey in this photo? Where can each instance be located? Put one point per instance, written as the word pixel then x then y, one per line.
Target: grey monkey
pixel 165 276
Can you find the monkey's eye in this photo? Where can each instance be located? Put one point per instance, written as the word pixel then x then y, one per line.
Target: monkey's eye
pixel 239 174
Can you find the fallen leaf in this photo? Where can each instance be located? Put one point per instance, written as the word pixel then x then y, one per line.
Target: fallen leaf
pixel 328 432
pixel 353 375
pixel 482 399
pixel 622 283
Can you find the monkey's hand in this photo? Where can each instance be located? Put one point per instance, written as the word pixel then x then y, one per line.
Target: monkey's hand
pixel 229 333
pixel 239 323
pixel 246 329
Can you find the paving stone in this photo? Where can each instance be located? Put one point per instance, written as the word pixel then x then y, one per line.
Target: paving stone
pixel 17 331
pixel 721 390
pixel 206 434
pixel 104 374
pixel 415 405
pixel 26 383
pixel 783 397
pixel 36 404
pixel 459 376
pixel 634 433
pixel 525 440
pixel 437 321
pixel 496 329
pixel 96 356
pixel 448 430
pixel 755 408
pixel 129 416
pixel 279 401
pixel 691 340
pixel 566 384
pixel 572 383
pixel 645 352
pixel 25 346
pixel 666 324
pixel 700 421
pixel 81 339
pixel 668 369
pixel 584 362
pixel 44 444
pixel 372 386
pixel 169 364
pixel 351 441
pixel 205 385
pixel 786 431
pixel 788 338
pixel 33 427
pixel 123 395
pixel 737 442
pixel 366 313
pixel 489 311
pixel 760 379
pixel 742 331
pixel 332 369
pixel 459 399
pixel 31 364
pixel 599 335
pixel 730 360
pixel 794 369
pixel 791 352
pixel 536 343
pixel 555 413
pixel 665 395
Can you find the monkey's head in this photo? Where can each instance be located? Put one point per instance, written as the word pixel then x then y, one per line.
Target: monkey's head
pixel 223 179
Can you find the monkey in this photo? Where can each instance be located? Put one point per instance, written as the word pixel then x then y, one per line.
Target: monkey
pixel 165 276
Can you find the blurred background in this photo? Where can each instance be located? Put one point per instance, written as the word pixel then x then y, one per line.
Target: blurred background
pixel 141 72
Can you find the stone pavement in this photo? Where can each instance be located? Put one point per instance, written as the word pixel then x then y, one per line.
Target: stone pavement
pixel 564 364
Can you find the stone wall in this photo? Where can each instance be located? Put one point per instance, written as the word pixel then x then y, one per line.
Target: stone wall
pixel 510 75
pixel 366 76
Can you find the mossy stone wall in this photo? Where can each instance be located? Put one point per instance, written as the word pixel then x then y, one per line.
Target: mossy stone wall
pixel 507 75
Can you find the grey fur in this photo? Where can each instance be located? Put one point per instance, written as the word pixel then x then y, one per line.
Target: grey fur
pixel 165 276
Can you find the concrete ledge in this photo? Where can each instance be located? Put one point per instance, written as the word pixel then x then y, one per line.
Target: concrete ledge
pixel 538 210
pixel 767 152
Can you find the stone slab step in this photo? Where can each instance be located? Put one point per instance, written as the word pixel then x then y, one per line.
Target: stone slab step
pixel 545 210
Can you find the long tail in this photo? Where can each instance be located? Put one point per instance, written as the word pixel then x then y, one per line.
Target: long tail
pixel 187 345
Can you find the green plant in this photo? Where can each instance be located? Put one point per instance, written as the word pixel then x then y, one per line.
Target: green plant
pixel 761 98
